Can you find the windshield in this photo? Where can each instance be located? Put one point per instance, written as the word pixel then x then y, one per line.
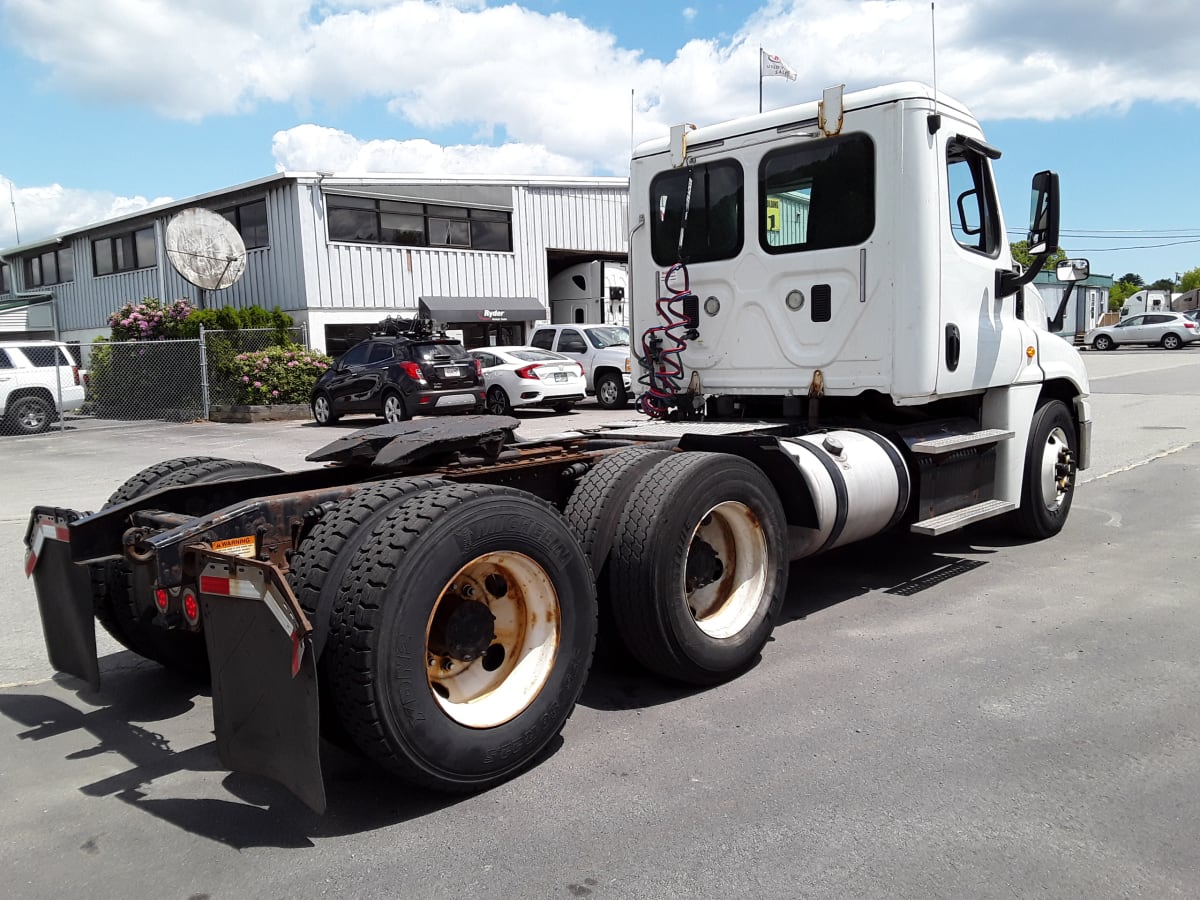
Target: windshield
pixel 610 336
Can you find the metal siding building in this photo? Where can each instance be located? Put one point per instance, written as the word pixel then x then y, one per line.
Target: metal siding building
pixel 330 284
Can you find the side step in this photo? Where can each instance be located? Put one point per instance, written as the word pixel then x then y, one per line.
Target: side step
pixel 938 446
pixel 959 518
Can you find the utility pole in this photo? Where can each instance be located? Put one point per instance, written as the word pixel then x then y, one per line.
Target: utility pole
pixel 13 200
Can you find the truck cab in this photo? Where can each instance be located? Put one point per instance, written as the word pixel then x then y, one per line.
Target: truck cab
pixel 852 252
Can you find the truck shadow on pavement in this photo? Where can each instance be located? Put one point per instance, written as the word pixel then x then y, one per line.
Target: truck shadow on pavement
pixel 123 718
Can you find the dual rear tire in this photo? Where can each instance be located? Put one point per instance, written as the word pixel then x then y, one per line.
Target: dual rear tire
pixel 695 571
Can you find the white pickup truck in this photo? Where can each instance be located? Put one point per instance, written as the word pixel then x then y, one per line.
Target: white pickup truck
pixel 602 350
pixel 38 381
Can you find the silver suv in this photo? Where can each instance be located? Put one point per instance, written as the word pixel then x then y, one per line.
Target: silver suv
pixel 1169 330
pixel 39 380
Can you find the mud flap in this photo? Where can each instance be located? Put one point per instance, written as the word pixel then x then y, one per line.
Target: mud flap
pixel 64 598
pixel 264 674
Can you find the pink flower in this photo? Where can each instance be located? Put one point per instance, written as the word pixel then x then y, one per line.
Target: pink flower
pixel 245 379
pixel 274 393
pixel 258 384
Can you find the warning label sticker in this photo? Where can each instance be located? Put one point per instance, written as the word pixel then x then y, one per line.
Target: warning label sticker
pixel 238 546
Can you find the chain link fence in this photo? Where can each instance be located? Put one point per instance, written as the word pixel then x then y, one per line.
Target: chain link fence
pixel 174 380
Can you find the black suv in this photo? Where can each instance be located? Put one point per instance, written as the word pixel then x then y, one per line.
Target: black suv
pixel 398 378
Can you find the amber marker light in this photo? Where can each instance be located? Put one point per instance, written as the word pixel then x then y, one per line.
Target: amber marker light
pixel 1029 351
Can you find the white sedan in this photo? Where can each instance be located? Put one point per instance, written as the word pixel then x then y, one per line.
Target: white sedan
pixel 527 376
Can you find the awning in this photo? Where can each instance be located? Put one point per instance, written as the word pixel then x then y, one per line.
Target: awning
pixel 482 309
pixel 28 313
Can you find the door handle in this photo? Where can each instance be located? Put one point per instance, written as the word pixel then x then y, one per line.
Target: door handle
pixel 953 346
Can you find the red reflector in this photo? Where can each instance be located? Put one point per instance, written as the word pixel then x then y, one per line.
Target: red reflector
pixel 211 585
pixel 75 372
pixel 161 600
pixel 191 607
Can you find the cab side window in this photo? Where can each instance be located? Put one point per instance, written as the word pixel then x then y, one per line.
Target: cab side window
pixel 542 339
pixel 974 220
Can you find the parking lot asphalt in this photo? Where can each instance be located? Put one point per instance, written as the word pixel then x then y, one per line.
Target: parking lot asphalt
pixel 959 717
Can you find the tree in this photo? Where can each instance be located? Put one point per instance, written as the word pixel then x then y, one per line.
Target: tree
pixel 1190 280
pixel 1163 284
pixel 1132 278
pixel 1020 252
pixel 1120 292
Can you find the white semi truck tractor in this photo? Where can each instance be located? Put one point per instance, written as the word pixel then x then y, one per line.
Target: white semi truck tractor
pixel 832 342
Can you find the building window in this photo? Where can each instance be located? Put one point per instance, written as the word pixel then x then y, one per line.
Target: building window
pixel 50 267
pixel 817 195
pixel 250 220
pixel 5 279
pixel 369 220
pixel 124 252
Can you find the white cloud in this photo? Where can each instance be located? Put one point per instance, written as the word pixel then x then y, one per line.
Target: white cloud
pixel 557 91
pixel 689 13
pixel 46 210
pixel 317 148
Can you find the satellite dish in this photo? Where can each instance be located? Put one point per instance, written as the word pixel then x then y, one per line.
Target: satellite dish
pixel 205 249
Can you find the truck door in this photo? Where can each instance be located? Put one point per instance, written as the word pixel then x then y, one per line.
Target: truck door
pixel 981 339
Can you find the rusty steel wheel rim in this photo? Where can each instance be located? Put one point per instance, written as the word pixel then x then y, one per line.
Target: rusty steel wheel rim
pixel 492 639
pixel 725 596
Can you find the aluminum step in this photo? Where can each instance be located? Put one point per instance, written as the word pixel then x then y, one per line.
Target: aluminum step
pixel 959 518
pixel 950 443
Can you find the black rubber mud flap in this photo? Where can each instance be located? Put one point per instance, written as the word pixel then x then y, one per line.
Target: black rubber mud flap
pixel 264 674
pixel 64 598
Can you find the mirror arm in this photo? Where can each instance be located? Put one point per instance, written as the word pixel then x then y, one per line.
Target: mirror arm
pixel 1008 282
pixel 1056 323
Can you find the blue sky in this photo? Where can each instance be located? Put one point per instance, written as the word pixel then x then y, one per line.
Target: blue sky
pixel 117 105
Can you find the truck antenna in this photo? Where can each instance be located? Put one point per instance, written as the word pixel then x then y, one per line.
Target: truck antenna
pixel 935 118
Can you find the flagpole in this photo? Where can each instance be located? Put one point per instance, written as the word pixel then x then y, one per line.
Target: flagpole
pixel 760 52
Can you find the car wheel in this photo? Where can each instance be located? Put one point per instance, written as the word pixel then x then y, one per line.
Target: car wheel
pixel 1171 342
pixel 1103 342
pixel 322 409
pixel 497 402
pixel 564 406
pixel 393 408
pixel 610 392
pixel 31 415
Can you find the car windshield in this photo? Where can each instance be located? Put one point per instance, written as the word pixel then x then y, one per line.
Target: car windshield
pixel 538 356
pixel 610 336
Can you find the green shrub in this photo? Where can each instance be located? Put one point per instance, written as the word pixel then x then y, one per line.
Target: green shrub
pixel 279 375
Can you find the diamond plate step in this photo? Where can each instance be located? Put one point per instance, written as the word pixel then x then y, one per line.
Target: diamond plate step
pixel 959 518
pixel 935 446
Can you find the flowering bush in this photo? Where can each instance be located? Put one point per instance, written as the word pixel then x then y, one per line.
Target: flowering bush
pixel 283 374
pixel 149 320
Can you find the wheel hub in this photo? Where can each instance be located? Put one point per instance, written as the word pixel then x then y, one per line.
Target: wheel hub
pixel 462 630
pixel 703 565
